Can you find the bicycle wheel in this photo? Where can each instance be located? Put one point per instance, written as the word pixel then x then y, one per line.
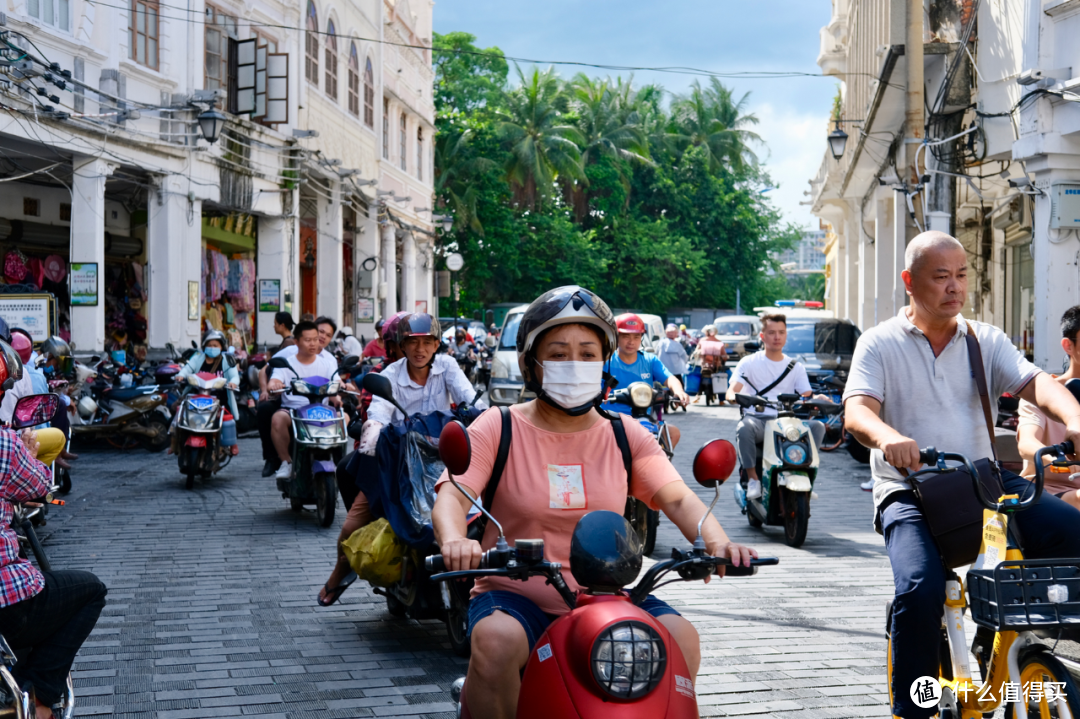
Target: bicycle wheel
pixel 1041 668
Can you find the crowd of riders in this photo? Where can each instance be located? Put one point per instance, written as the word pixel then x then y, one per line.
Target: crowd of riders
pixel 566 457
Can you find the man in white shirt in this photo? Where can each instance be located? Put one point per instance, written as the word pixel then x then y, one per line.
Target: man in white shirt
pixel 672 353
pixel 349 344
pixel 308 362
pixel 768 373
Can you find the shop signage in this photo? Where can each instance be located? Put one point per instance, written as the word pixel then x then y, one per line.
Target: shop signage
pixel 83 277
pixel 269 295
pixel 33 313
pixel 193 300
pixel 365 309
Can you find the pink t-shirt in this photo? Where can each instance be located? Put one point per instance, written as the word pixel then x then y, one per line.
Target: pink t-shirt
pixel 551 480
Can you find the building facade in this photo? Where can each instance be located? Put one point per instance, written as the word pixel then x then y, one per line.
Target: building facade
pixel 960 116
pixel 113 200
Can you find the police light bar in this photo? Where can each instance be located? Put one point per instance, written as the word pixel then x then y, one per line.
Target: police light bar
pixel 809 304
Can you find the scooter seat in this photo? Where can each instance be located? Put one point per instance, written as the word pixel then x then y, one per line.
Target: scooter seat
pixel 123 394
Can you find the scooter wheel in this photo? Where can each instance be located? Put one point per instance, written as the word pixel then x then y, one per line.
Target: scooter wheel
pixel 297 505
pixel 396 608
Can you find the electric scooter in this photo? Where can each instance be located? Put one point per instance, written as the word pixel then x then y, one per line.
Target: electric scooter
pixel 201 416
pixel 787 465
pixel 606 657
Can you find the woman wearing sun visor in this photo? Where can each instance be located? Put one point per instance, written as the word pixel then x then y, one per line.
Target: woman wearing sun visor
pixel 564 461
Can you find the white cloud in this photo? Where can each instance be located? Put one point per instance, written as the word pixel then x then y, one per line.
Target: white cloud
pixel 795 144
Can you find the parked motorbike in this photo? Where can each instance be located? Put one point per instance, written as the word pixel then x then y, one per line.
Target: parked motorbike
pixel 485 358
pixel 787 465
pixel 319 442
pixel 202 414
pixel 611 658
pixel 466 363
pixel 647 407
pixel 124 416
pixel 415 595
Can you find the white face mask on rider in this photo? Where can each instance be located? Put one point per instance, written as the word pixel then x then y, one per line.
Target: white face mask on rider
pixel 572 384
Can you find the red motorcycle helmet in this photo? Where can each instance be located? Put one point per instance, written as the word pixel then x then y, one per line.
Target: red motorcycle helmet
pixel 22 344
pixel 11 368
pixel 630 324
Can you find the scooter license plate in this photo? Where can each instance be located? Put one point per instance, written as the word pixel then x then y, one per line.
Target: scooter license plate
pixel 196 441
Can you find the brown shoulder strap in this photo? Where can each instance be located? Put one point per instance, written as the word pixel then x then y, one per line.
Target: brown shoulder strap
pixel 977 368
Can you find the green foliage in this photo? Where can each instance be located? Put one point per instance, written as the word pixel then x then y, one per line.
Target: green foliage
pixel 594 182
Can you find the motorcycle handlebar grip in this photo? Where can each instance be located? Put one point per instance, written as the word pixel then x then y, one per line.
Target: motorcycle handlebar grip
pixel 434 564
pixel 928 456
pixel 1067 447
pixel 743 571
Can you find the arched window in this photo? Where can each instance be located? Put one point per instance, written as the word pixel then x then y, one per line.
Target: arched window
pixel 369 95
pixel 354 81
pixel 311 55
pixel 402 136
pixel 331 61
pixel 420 153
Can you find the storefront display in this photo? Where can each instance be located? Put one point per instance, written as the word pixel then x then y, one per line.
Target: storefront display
pixel 228 290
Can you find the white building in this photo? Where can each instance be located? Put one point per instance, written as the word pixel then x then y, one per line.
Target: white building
pixel 1000 151
pixel 807 256
pixel 313 199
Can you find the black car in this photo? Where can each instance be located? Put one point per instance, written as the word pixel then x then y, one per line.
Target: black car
pixel 822 343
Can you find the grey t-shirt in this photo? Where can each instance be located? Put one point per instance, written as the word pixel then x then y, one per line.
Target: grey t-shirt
pixel 932 400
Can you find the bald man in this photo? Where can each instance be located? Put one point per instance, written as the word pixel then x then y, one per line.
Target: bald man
pixel 911 386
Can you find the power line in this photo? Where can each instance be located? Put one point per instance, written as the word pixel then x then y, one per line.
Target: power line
pixel 673 69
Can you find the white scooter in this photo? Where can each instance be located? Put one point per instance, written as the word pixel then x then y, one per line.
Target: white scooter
pixel 787 465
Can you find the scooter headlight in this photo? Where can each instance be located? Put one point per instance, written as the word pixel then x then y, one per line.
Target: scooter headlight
pixel 641 395
pixel 795 454
pixel 628 660
pixel 793 433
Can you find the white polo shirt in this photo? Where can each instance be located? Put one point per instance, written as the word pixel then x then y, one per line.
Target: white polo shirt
pixel 932 400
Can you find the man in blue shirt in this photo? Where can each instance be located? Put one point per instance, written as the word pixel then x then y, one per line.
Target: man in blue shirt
pixel 631 365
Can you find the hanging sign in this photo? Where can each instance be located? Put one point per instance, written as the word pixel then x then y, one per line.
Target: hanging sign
pixel 365 309
pixel 83 277
pixel 33 313
pixel 269 295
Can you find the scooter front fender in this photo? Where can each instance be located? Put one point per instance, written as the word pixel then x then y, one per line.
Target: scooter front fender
pixel 797 482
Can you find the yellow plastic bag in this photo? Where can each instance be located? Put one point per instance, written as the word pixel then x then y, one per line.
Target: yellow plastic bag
pixel 376 554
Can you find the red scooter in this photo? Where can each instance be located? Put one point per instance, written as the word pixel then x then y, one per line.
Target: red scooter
pixel 606 657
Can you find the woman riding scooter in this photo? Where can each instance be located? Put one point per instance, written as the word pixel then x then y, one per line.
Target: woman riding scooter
pixel 564 461
pixel 212 359
pixel 422 381
pixel 51 613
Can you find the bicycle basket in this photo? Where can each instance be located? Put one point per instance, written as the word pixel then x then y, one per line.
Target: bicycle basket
pixel 1022 595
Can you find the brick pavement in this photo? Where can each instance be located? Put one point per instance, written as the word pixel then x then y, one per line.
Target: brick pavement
pixel 212 608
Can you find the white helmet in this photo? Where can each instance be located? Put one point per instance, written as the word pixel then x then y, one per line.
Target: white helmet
pixel 87 406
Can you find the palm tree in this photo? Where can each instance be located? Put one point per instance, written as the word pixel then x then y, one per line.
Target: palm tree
pixel 711 119
pixel 542 146
pixel 454 169
pixel 608 120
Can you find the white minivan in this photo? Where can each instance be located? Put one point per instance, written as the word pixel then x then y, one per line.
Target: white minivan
pixel 507 384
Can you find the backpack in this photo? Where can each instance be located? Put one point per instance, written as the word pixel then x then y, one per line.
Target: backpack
pixel 504 451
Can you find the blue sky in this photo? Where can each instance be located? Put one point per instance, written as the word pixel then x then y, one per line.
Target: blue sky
pixel 716 35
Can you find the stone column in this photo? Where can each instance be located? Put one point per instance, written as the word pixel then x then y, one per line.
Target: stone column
pixel 174 251
pixel 389 269
pixel 88 245
pixel 366 244
pixel 900 232
pixel 1056 255
pixel 329 276
pixel 275 260
pixel 883 256
pixel 408 272
pixel 866 287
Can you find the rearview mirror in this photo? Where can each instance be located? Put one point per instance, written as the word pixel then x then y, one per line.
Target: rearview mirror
pixel 34 409
pixel 379 386
pixel 714 463
pixel 349 362
pixel 278 363
pixel 454 448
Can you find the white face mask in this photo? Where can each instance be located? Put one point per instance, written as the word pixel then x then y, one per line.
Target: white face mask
pixel 572 384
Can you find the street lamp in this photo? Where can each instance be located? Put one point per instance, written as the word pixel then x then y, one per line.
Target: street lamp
pixel 211 122
pixel 837 142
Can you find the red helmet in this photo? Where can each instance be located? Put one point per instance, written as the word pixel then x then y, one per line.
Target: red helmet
pixel 11 368
pixel 22 345
pixel 630 324
pixel 389 330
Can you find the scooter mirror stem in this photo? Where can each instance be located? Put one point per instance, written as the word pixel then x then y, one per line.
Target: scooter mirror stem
pixel 500 544
pixel 699 542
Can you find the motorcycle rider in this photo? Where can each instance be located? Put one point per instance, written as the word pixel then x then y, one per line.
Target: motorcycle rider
pixel 310 360
pixel 911 385
pixel 563 340
pixel 33 380
pixel 769 373
pixel 348 342
pixel 422 381
pixel 377 346
pixel 1035 430
pixel 211 359
pixel 53 612
pixel 672 353
pixel 631 365
pixel 270 405
pixel 283 327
